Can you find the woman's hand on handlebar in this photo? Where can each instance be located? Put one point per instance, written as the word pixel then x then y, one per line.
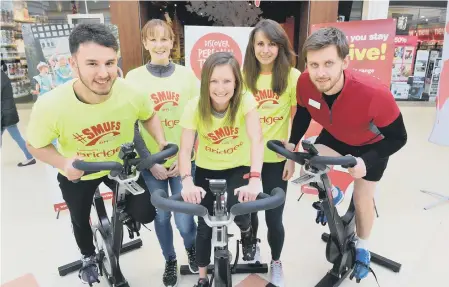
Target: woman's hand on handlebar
pixel 159 172
pixel 70 172
pixel 192 193
pixel 249 192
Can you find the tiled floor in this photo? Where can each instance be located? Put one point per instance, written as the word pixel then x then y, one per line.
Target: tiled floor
pixel 34 242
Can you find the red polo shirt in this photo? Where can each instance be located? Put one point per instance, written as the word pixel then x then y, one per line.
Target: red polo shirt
pixel 363 105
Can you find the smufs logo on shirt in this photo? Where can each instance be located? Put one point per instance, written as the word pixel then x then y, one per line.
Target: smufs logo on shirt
pixel 164 97
pixel 266 96
pixel 100 133
pixel 222 134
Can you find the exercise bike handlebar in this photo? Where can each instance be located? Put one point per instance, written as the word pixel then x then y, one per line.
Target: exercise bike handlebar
pixel 302 157
pixel 263 202
pixel 176 204
pixel 115 167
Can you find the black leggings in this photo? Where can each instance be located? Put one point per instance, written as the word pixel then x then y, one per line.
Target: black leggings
pixel 234 179
pixel 79 197
pixel 272 178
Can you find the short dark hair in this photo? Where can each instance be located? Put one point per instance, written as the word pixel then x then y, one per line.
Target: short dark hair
pixel 96 33
pixel 324 38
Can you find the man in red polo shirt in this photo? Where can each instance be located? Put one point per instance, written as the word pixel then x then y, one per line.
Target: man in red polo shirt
pixel 359 117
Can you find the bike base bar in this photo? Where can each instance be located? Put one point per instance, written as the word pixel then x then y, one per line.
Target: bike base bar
pixel 376 258
pixel 249 268
pixel 330 280
pixel 75 266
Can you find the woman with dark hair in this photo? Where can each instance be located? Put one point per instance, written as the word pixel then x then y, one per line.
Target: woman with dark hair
pixel 10 117
pixel 270 75
pixel 230 147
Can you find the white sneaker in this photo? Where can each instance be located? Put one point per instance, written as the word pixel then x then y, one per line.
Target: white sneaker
pixel 277 275
pixel 257 257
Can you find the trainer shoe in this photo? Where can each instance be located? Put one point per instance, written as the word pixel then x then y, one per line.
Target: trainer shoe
pixel 276 273
pixel 362 262
pixel 257 256
pixel 191 254
pixel 202 282
pixel 248 245
pixel 170 277
pixel 27 162
pixel 89 271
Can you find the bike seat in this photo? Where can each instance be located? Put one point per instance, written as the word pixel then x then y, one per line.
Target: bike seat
pixel 217 186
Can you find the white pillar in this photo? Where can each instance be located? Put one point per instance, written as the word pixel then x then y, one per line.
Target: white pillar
pixel 374 9
pixel 440 133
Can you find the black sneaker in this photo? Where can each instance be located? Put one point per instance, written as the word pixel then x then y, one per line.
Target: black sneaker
pixel 170 277
pixel 248 245
pixel 191 254
pixel 202 282
pixel 89 271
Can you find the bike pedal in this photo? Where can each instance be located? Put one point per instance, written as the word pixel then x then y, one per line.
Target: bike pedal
pixel 317 205
pixel 230 235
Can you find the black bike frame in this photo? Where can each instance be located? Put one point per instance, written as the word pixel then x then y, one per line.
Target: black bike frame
pixel 222 269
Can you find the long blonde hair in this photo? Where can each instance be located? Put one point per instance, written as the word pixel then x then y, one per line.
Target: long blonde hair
pixel 205 105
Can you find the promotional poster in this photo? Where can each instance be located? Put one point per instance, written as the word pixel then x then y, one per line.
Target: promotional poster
pixel 371 45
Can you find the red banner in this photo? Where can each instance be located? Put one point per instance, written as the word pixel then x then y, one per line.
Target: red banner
pixel 371 45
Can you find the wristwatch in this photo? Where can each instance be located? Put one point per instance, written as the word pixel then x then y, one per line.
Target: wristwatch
pixel 252 174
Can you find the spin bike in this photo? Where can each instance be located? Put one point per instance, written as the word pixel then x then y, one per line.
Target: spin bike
pixel 340 247
pixel 108 234
pixel 219 221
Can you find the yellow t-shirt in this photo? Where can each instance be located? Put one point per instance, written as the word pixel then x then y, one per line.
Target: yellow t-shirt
pixel 169 96
pixel 221 146
pixel 275 110
pixel 94 132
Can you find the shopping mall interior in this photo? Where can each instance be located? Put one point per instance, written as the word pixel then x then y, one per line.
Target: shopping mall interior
pixel 411 226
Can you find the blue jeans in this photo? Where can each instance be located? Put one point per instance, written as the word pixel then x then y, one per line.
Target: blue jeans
pixel 17 137
pixel 184 222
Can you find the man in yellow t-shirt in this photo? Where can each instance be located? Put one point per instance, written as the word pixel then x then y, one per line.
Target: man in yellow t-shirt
pixel 91 116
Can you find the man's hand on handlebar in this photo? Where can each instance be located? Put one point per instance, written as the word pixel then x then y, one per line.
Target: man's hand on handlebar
pixel 289 170
pixel 192 193
pixel 359 170
pixel 70 172
pixel 251 191
pixel 288 146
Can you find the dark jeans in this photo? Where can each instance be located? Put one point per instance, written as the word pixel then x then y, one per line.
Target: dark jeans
pixel 79 197
pixel 162 223
pixel 272 178
pixel 234 179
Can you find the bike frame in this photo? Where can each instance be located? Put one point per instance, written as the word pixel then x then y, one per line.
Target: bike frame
pixel 222 269
pixel 111 230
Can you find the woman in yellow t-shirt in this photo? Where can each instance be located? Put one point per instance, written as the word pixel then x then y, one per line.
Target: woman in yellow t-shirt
pixel 230 147
pixel 270 75
pixel 170 87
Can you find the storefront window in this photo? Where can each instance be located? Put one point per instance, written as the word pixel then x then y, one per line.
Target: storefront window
pixel 34 45
pixel 419 45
